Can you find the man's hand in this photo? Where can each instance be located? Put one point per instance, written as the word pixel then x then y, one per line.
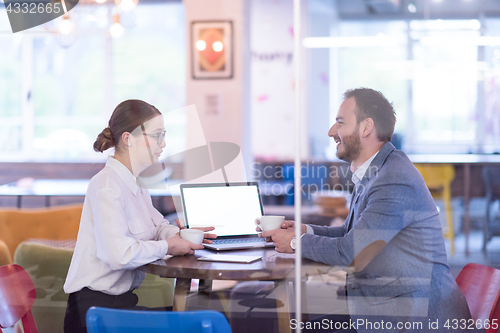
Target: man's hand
pixel 291 224
pixel 285 225
pixel 179 247
pixel 281 239
pixel 207 237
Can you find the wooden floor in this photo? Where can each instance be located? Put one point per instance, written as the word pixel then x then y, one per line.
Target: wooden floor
pixel 459 260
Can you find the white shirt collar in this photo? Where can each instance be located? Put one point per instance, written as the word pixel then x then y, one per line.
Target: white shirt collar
pixel 358 175
pixel 123 173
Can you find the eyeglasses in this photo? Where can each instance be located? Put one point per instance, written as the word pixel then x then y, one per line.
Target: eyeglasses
pixel 158 136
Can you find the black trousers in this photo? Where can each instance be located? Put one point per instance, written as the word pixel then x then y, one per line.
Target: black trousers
pixel 79 302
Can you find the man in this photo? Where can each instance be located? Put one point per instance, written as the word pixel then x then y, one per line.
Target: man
pixel 391 243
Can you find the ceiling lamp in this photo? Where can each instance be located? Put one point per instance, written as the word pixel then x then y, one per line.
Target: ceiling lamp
pixel 352 41
pixel 116 30
pixel 412 7
pixel 66 31
pixel 126 5
pixel 475 24
pixel 65 27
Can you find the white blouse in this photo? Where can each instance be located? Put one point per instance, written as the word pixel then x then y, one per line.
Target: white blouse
pixel 120 230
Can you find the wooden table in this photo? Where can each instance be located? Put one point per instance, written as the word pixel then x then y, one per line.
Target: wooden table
pixel 273 267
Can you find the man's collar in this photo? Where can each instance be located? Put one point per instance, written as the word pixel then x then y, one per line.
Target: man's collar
pixel 375 162
pixel 358 175
pixel 123 173
pixel 380 159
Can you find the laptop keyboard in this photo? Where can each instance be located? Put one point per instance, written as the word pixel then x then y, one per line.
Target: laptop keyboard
pixel 238 240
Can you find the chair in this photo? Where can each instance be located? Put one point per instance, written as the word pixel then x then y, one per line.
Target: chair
pixel 5 255
pixel 491 177
pixel 18 296
pixel 47 263
pixel 131 321
pixel 481 287
pixel 438 178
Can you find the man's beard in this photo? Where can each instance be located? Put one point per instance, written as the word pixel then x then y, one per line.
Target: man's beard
pixel 351 145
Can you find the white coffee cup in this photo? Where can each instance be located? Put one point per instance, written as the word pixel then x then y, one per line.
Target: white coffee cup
pixel 270 222
pixel 193 235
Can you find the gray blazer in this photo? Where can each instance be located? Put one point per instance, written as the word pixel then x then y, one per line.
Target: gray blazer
pixel 409 280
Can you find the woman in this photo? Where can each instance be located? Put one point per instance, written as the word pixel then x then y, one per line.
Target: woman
pixel 120 229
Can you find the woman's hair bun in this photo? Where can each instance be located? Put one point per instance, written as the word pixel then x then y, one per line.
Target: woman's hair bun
pixel 126 117
pixel 104 140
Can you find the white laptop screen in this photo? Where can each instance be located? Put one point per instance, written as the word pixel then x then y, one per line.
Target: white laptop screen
pixel 232 210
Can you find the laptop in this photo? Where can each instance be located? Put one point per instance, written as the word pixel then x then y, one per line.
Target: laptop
pixel 229 207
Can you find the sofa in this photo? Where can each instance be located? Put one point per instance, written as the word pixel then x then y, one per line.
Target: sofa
pixel 18 225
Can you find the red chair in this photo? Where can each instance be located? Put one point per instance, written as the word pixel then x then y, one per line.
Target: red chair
pixel 481 287
pixel 18 295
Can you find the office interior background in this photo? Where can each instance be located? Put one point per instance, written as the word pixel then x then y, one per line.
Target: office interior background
pixel 437 61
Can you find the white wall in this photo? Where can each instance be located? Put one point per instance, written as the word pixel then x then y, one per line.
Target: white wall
pixel 259 102
pixel 273 81
pixel 232 123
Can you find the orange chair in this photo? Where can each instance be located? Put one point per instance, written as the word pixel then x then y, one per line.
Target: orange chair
pixel 481 287
pixel 438 178
pixel 18 296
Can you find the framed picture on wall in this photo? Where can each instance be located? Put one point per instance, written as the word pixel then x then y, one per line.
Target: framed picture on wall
pixel 212 49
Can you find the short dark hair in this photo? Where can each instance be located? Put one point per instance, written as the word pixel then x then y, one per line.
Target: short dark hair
pixel 373 104
pixel 128 115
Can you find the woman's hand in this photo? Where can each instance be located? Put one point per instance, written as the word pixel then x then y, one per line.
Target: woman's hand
pixel 179 247
pixel 206 237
